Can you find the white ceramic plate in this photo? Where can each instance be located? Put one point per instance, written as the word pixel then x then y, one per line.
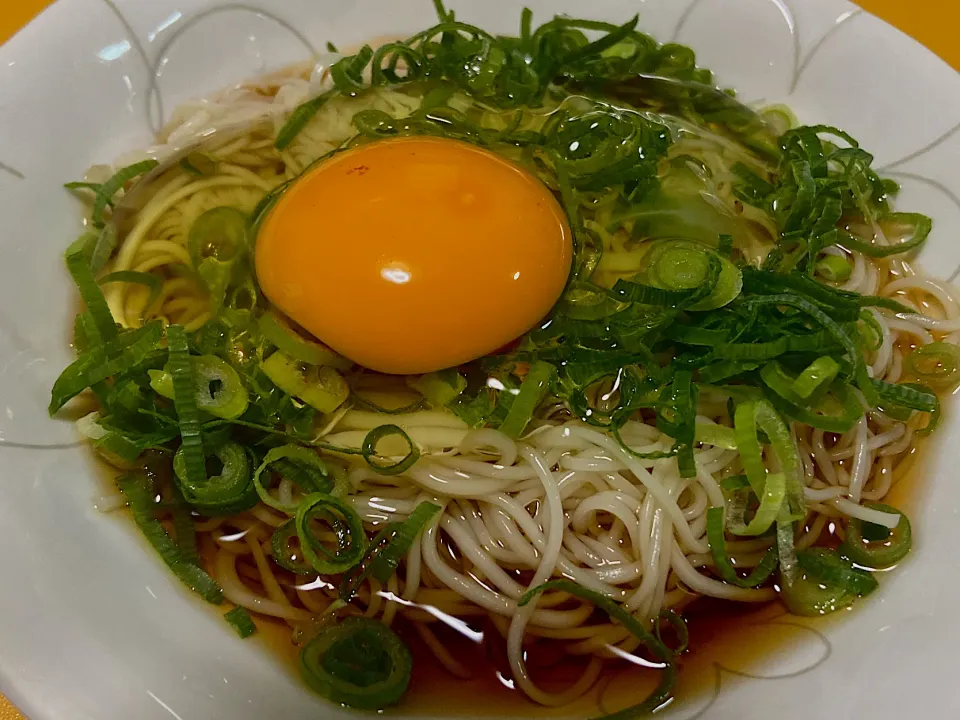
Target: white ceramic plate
pixel 92 627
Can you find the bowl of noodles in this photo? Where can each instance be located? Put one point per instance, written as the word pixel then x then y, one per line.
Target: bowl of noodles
pixel 434 359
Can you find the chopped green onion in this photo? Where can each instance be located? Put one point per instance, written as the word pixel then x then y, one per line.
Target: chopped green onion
pixel 183 528
pixel 874 546
pixel 721 561
pixel 661 653
pixel 78 263
pixel 385 562
pixel 677 417
pixel 347 72
pixel 716 435
pixel 345 525
pixel 322 388
pixel 937 363
pixel 771 504
pixel 193 472
pixel 439 388
pixel 104 246
pixel 279 332
pixel 286 550
pixel 820 372
pixel 921 226
pixel 769 350
pixel 586 301
pixel 354 578
pixel 935 414
pixel 216 242
pixel 637 292
pixel 908 395
pixel 358 662
pixel 300 464
pixel 372 440
pixel 787 551
pixel 535 386
pixel 806 595
pixel 298 120
pixel 725 248
pixel 114 184
pixel 677 265
pixel 870 331
pixel 835 268
pixel 240 620
pixel 679 626
pixel 220 232
pixel 218 388
pixel 127 351
pixel 839 410
pixel 390 402
pixel 80 185
pixel 227 493
pixel 140 499
pixel 759 414
pixel 828 324
pixel 830 568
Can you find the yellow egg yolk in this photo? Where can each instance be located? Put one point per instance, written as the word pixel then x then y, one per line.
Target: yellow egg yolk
pixel 414 254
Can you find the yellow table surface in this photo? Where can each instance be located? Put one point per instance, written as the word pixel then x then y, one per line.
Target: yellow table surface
pixel 935 23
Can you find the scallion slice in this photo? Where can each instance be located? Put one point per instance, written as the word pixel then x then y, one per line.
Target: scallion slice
pixel 439 388
pixel 385 563
pixel 125 352
pixel 835 268
pixel 226 493
pixel 282 335
pixel 771 503
pixel 320 387
pixel 751 416
pixel 716 435
pixel 535 386
pixel 286 550
pixel 680 265
pixel 721 561
pixel 820 372
pixel 345 525
pixel 830 568
pixel 107 190
pixel 193 473
pixel 78 264
pixel 300 464
pixel 358 662
pixel 218 388
pixel 240 620
pixel 874 546
pixel 141 501
pixel 937 364
pixel 298 120
pixel 375 460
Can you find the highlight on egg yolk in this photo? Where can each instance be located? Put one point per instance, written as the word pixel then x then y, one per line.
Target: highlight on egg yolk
pixel 414 254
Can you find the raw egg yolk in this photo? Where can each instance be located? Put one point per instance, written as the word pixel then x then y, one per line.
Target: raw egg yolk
pixel 415 254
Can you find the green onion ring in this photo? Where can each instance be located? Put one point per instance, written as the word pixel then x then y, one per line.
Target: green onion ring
pixel 883 550
pixel 351 539
pixel 359 662
pixel 369 450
